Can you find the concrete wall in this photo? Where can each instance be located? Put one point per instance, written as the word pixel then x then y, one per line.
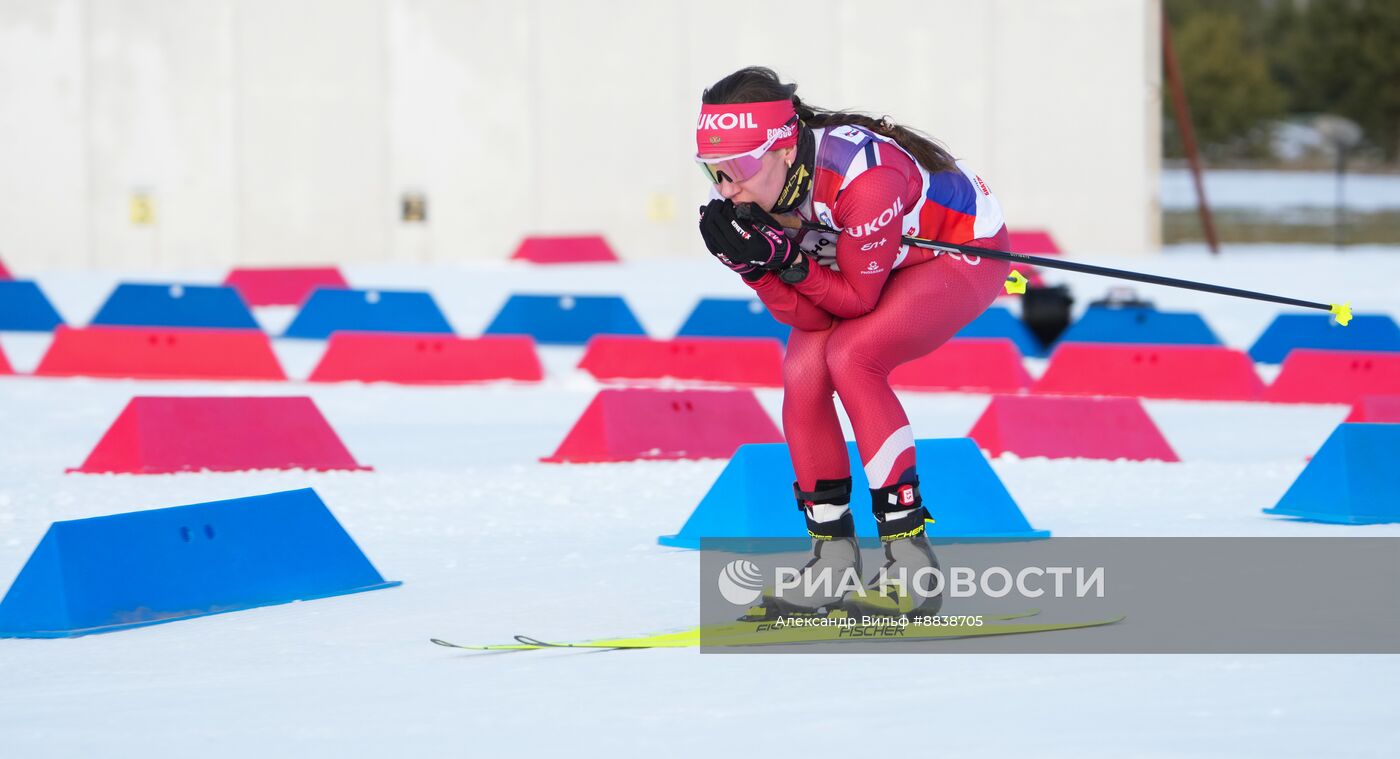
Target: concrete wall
pixel 264 131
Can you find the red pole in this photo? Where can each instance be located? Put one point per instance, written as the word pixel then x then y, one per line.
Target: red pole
pixel 1188 135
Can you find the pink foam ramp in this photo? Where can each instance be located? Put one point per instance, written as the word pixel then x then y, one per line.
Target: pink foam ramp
pixel 754 362
pixel 5 367
pixel 970 364
pixel 283 286
pixel 1376 409
pixel 427 359
pixel 1322 376
pixel 161 435
pixel 1033 241
pixel 1036 242
pixel 161 353
pixel 631 424
pixel 1190 372
pixel 4 273
pixel 564 249
pixel 1060 427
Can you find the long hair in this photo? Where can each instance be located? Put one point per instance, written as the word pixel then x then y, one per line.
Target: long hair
pixel 757 84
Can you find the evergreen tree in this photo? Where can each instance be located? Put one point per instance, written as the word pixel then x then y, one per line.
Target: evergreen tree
pixel 1228 84
pixel 1344 57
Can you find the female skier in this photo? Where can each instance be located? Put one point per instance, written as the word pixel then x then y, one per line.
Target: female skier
pixel 860 303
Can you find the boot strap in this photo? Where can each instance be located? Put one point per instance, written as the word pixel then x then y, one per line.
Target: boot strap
pixel 901 496
pixel 827 491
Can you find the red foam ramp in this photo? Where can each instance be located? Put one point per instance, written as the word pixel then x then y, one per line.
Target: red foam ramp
pixel 563 249
pixel 1320 376
pixel 427 359
pixel 164 435
pixel 4 273
pixel 1194 372
pixel 631 424
pixel 1382 409
pixel 164 353
pixel 282 286
pixel 968 364
pixel 733 361
pixel 1036 242
pixel 1064 427
pixel 5 367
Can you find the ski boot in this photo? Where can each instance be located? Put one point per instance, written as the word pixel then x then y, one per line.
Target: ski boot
pixel 906 583
pixel 835 556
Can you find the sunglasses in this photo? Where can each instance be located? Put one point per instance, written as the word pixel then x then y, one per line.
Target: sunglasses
pixel 737 168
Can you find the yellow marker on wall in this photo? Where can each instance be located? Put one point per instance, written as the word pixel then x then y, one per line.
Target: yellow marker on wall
pixel 413 208
pixel 661 207
pixel 142 209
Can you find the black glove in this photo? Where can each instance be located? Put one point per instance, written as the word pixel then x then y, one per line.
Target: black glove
pixel 745 238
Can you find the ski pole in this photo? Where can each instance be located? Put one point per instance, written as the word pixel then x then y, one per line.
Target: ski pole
pixel 1017 282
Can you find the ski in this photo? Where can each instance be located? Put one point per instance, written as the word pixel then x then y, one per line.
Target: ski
pixel 768 632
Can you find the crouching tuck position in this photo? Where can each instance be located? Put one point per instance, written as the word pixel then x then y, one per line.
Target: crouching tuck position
pixel 859 302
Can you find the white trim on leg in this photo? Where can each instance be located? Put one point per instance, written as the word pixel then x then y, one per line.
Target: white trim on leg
pixel 877 470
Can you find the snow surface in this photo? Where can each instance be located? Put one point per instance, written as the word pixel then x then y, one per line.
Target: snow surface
pixel 1280 190
pixel 490 543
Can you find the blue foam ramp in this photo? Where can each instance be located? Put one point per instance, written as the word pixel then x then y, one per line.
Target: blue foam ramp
pixel 23 308
pixel 147 567
pixel 145 305
pixel 1366 332
pixel 999 322
pixel 1352 479
pixel 753 497
pixel 732 317
pixel 1137 324
pixel 565 319
pixel 330 310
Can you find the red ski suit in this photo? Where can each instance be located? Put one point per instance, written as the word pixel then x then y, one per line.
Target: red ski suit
pixel 870 303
